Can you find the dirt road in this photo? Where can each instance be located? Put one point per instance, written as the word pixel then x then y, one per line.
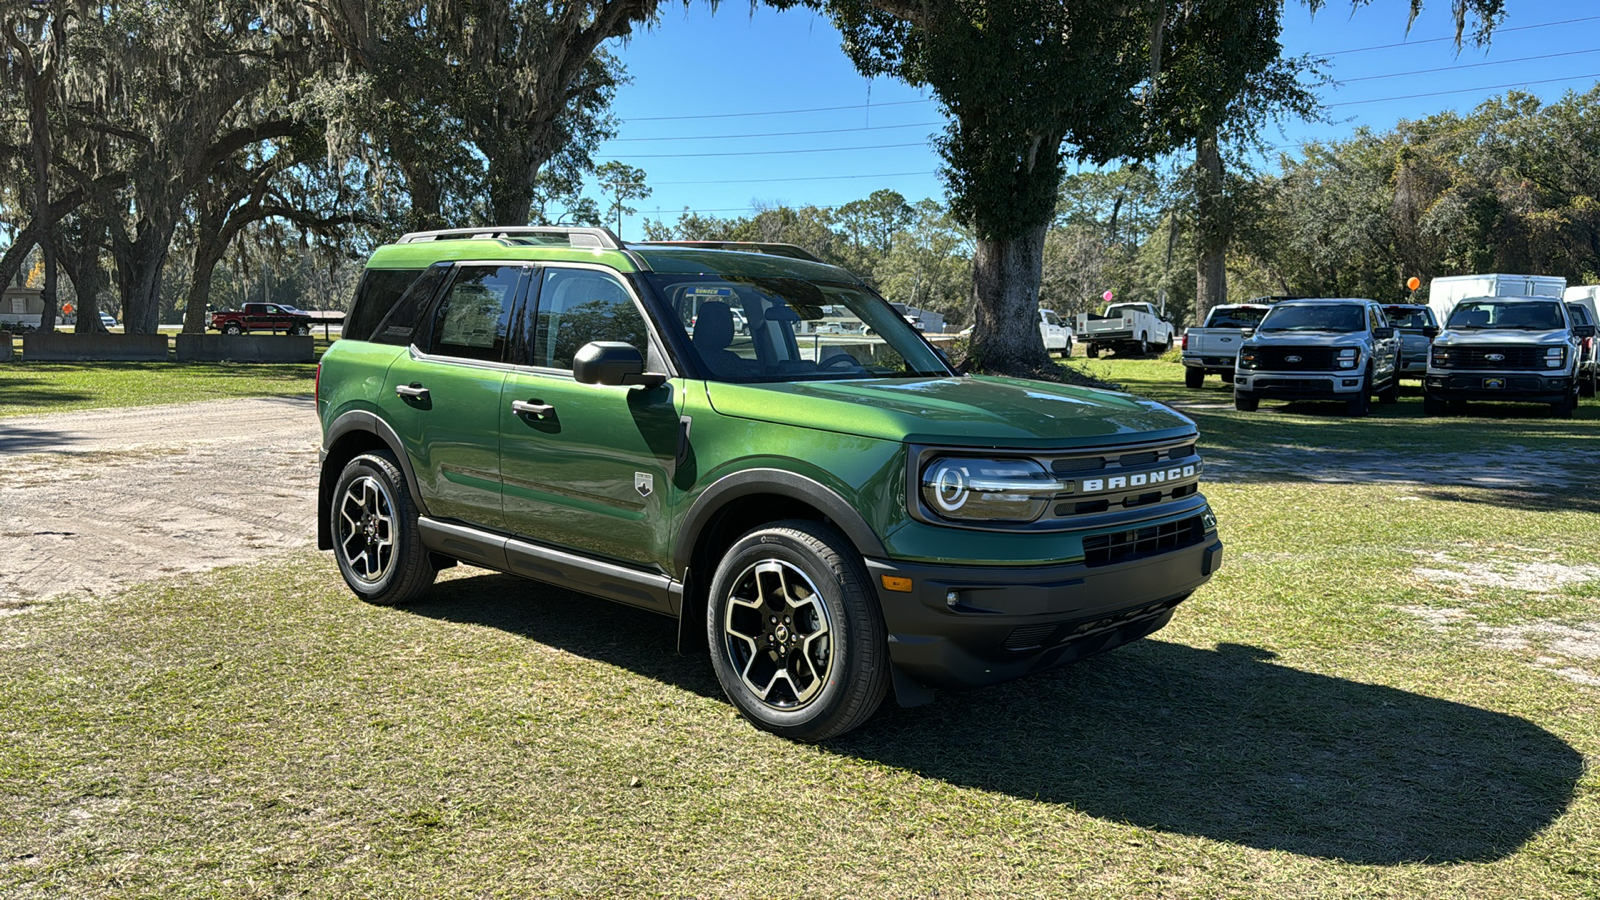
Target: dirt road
pixel 93 501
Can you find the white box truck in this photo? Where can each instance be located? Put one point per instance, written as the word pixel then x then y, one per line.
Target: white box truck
pixel 1588 295
pixel 1445 293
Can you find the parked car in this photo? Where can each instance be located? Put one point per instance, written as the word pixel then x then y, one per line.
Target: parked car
pixel 1588 364
pixel 1055 333
pixel 1445 292
pixel 1333 349
pixel 834 528
pixel 1214 348
pixel 273 317
pixel 1417 328
pixel 1518 349
pixel 1125 328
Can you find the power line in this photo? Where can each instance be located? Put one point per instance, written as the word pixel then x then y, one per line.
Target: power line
pixel 1452 37
pixel 808 178
pixel 766 152
pixel 1501 62
pixel 1490 87
pixel 770 134
pixel 779 112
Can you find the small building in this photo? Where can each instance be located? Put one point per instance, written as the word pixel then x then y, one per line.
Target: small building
pixel 21 306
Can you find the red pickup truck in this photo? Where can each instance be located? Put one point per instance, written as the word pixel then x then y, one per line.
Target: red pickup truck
pixel 272 317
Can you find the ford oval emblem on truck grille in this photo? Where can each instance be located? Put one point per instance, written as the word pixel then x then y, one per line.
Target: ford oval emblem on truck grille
pixel 1291 359
pixel 1494 357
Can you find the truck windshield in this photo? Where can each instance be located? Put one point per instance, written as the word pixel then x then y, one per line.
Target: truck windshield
pixel 1513 314
pixel 762 329
pixel 1240 317
pixel 1408 316
pixel 1342 317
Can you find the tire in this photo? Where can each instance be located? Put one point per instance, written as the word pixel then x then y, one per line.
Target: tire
pixel 1194 377
pixel 302 329
pixel 1092 351
pixel 1588 383
pixel 370 500
pixel 1066 352
pixel 1565 408
pixel 1144 345
pixel 1360 404
pixel 797 574
pixel 1433 406
pixel 1246 402
pixel 1391 394
pixel 233 328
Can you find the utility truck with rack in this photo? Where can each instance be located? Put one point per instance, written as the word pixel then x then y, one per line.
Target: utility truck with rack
pixel 1124 327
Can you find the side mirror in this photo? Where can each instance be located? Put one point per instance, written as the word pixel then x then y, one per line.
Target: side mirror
pixel 1383 333
pixel 1583 331
pixel 1430 331
pixel 612 363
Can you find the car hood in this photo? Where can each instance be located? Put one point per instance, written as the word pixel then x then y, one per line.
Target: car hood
pixel 1309 339
pixel 972 411
pixel 1480 337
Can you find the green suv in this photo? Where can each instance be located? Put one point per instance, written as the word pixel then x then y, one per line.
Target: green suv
pixel 755 443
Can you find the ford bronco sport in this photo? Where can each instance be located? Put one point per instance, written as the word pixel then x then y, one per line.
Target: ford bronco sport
pixel 836 515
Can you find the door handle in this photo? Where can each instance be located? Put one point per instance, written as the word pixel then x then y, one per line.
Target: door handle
pixel 414 390
pixel 531 408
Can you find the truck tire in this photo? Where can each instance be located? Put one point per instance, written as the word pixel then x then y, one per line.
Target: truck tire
pixel 1588 383
pixel 302 329
pixel 1193 376
pixel 1244 402
pixel 1433 406
pixel 1391 394
pixel 1144 345
pixel 232 328
pixel 1361 403
pixel 797 639
pixel 376 541
pixel 1566 407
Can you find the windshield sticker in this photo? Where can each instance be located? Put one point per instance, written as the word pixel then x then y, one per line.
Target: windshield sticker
pixel 708 292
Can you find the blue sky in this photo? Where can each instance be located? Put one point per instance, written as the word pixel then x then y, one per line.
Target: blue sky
pixel 718 100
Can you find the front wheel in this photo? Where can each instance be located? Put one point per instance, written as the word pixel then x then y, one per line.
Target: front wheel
pixel 1588 383
pixel 1433 406
pixel 376 540
pixel 1565 408
pixel 1246 402
pixel 1391 394
pixel 796 637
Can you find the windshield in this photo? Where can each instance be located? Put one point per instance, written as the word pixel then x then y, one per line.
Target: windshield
pixel 1242 317
pixel 751 329
pixel 1408 316
pixel 1343 317
pixel 1511 314
pixel 1579 313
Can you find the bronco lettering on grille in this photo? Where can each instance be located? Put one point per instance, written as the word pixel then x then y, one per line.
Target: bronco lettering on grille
pixel 1123 482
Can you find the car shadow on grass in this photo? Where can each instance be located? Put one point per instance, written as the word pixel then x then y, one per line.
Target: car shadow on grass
pixel 1222 744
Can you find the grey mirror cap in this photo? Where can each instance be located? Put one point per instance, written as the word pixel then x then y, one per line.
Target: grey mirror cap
pixel 1383 333
pixel 1583 331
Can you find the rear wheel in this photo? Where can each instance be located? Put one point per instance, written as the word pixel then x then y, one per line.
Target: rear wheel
pixel 796 637
pixel 1244 402
pixel 1144 345
pixel 375 536
pixel 302 329
pixel 233 328
pixel 1194 377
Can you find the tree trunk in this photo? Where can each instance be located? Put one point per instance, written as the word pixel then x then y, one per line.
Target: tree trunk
pixel 1005 293
pixel 88 279
pixel 511 189
pixel 139 265
pixel 207 253
pixel 1212 229
pixel 39 125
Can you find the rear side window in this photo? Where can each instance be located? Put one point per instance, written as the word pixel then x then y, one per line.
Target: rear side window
pixel 376 294
pixel 474 318
pixel 400 323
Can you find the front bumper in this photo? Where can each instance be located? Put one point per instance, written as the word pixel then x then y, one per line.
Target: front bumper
pixel 1298 385
pixel 967 626
pixel 1517 387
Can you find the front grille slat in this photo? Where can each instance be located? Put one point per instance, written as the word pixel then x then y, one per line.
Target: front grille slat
pixel 1276 359
pixel 1139 543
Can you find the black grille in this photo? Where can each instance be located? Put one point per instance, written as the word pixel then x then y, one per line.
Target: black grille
pixel 1513 358
pixel 1128 460
pixel 1029 636
pixel 1276 359
pixel 1081 464
pixel 1297 385
pixel 1106 549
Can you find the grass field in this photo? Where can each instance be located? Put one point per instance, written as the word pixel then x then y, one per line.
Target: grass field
pixel 47 387
pixel 1390 690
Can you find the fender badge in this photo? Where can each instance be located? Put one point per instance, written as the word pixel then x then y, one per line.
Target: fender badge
pixel 644 484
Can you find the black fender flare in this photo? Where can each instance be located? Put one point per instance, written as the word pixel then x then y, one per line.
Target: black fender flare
pixel 358 420
pixel 772 481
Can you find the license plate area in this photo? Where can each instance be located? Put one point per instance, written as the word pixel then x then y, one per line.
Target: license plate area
pixel 1494 384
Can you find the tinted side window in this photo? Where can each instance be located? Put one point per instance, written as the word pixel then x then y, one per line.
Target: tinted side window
pixel 398 325
pixel 376 294
pixel 474 317
pixel 577 306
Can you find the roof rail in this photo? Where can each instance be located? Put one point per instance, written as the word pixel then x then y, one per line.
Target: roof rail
pixel 583 238
pixel 771 249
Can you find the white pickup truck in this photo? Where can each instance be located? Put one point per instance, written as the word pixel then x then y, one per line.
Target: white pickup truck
pixel 1123 327
pixel 1055 333
pixel 1214 347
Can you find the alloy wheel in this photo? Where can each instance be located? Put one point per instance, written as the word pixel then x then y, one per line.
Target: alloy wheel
pixel 366 530
pixel 777 634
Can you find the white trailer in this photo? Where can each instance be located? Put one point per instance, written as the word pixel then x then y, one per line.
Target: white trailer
pixel 1445 293
pixel 1587 294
